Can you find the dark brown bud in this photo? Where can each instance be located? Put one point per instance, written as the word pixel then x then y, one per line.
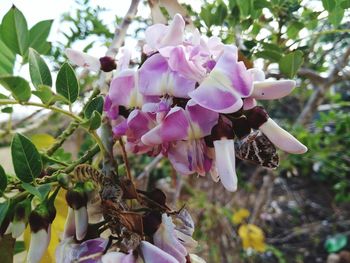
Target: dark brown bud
pixel 107 64
pixel 39 219
pixel 257 116
pixel 241 127
pixel 76 198
pixel 151 222
pixel 222 130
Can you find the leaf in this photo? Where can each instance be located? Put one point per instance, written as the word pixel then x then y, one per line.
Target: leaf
pixel 18 86
pixel 95 120
pixel 290 63
pixel 3 180
pixel 14 31
pixel 294 28
pixel 26 158
pixel 38 35
pixel 95 104
pixel 7 245
pixel 67 83
pixel 40 191
pixel 7 110
pixel 3 210
pixel 45 94
pixel 220 14
pixel 245 7
pixel 2 96
pixel 43 141
pixel 39 71
pixel 7 59
pixel 19 247
pixel 335 243
pixel 329 5
pixel 336 16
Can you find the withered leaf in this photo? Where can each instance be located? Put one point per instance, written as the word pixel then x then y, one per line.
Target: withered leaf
pixel 132 221
pixel 129 191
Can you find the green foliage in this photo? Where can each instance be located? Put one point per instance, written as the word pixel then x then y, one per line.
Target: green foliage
pixel 38 35
pixel 18 87
pixel 3 180
pixel 27 161
pixel 95 104
pixel 94 122
pixel 39 71
pixel 41 191
pixel 14 31
pixel 290 63
pixel 335 243
pixel 4 206
pixel 7 59
pixel 67 83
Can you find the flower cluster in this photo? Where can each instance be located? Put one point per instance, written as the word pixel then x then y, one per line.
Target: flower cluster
pixel 190 99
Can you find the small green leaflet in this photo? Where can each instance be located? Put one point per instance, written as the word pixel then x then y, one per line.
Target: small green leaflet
pixel 26 158
pixel 39 71
pixel 3 210
pixel 18 86
pixel 95 104
pixel 3 180
pixel 67 83
pixel 38 35
pixel 290 64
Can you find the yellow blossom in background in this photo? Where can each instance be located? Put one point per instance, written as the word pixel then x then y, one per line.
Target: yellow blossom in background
pixel 240 215
pixel 43 141
pixel 252 237
pixel 56 228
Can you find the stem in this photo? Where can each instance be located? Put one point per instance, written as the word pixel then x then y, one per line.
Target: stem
pixel 125 159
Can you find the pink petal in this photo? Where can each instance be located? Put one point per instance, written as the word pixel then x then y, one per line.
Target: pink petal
pixel 124 91
pixel 166 239
pixel 124 57
pixel 281 138
pixel 249 103
pixel 175 32
pixel 153 254
pixel 225 163
pixel 202 120
pixel 272 89
pixel 257 74
pixel 174 127
pixel 118 257
pixel 156 79
pixel 83 60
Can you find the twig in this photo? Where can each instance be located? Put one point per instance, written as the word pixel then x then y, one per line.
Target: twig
pixel 125 160
pixel 150 167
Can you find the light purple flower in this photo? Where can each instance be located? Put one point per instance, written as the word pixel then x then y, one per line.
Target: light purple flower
pixel 153 254
pixel 118 257
pixel 229 81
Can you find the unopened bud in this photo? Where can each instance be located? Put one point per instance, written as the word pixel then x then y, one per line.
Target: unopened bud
pixel 257 116
pixel 107 64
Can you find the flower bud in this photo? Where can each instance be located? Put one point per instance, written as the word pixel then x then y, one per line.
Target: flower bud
pixel 20 218
pixel 257 116
pixel 63 180
pixel 107 64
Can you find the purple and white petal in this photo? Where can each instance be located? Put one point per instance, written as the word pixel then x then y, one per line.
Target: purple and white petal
pixel 153 254
pixel 81 222
pixel 281 138
pixel 225 161
pixel 39 242
pixel 69 226
pixel 272 89
pixel 84 60
pixel 249 103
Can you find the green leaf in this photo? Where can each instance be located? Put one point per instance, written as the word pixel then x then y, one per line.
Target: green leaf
pixel 26 158
pixel 38 35
pixel 207 16
pixel 7 110
pixel 39 71
pixel 329 5
pixel 336 16
pixel 245 7
pixel 15 32
pixel 220 14
pixel 45 94
pixel 272 55
pixel 335 243
pixel 67 83
pixel 345 4
pixel 3 180
pixel 19 247
pixel 95 104
pixel 18 86
pixel 7 59
pixel 40 191
pixel 7 245
pixel 290 63
pixel 94 122
pixel 294 28
pixel 3 210
pixel 3 97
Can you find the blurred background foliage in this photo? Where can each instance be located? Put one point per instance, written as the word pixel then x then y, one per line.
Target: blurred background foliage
pixel 298 213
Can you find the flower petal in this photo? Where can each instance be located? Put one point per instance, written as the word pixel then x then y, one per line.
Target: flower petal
pixel 174 127
pixel 257 74
pixel 81 222
pixel 69 226
pixel 83 60
pixel 153 254
pixel 123 90
pixel 17 228
pixel 249 103
pixel 39 242
pixel 225 163
pixel 118 257
pixel 156 79
pixel 272 89
pixel 281 138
